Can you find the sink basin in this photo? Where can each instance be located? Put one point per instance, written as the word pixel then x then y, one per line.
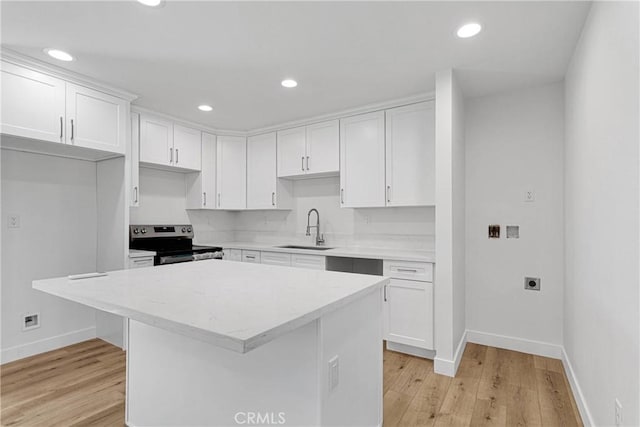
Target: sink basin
pixel 312 248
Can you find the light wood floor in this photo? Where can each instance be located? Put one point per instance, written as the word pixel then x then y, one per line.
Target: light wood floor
pixel 83 385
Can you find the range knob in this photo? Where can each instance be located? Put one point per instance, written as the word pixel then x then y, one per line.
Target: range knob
pixel 189 230
pixel 184 229
pixel 143 231
pixel 136 231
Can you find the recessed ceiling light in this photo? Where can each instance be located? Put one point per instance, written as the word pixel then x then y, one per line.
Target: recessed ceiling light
pixel 152 3
pixel 469 30
pixel 289 83
pixel 59 54
pixel 205 107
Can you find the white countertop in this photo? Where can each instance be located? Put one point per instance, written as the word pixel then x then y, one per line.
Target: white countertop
pixel 349 252
pixel 239 306
pixel 137 253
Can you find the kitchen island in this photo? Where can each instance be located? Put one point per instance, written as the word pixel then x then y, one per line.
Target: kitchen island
pixel 216 343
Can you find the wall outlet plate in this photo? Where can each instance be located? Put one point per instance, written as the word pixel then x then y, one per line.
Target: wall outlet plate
pixel 529 196
pixel 13 221
pixel 494 231
pixel 513 231
pixel 532 283
pixel 30 321
pixel 334 373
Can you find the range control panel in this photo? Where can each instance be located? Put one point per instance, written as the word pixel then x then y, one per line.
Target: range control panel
pixel 149 231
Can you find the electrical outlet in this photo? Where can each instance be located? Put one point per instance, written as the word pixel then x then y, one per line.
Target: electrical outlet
pixel 618 413
pixel 532 283
pixel 13 221
pixel 334 370
pixel 530 196
pixel 30 321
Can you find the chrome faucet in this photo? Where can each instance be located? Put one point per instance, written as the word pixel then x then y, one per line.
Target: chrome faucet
pixel 319 237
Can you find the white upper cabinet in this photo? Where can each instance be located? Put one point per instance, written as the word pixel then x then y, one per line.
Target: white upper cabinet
pixel 33 104
pixel 231 172
pixel 134 199
pixel 362 161
pixel 156 140
pixel 261 171
pixel 291 152
pixel 309 150
pixel 187 147
pixel 410 155
pixel 96 120
pixel 201 187
pixel 168 145
pixel 323 148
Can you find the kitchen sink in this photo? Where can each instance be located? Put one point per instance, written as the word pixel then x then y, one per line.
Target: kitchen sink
pixel 312 248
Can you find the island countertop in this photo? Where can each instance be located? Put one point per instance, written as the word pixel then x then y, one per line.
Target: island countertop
pixel 238 306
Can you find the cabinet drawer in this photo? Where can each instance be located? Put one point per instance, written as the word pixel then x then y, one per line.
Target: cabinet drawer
pixel 251 256
pixel 313 262
pixel 141 262
pixel 421 271
pixel 275 258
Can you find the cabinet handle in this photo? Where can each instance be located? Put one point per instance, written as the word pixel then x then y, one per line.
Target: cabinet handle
pixel 135 191
pixel 218 199
pixel 204 194
pixel 307 162
pixel 250 256
pixel 342 196
pixel 385 293
pixel 388 193
pixel 61 125
pixel 273 199
pixel 408 270
pixel 302 159
pixel 176 156
pixel 170 155
pixel 72 131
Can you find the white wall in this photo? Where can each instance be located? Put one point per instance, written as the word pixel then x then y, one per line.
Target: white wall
pixel 390 227
pixel 514 142
pixel 56 201
pixel 449 292
pixel 601 322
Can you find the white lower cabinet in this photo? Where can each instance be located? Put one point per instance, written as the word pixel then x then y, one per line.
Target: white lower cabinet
pixel 275 258
pixel 251 256
pixel 408 304
pixel 232 254
pixel 313 262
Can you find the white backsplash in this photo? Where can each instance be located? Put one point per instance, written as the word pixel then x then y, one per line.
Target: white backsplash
pixel 162 200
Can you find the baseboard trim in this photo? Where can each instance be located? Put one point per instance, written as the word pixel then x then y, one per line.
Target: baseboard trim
pixel 413 351
pixel 538 348
pixel 450 367
pixel 41 346
pixel 587 420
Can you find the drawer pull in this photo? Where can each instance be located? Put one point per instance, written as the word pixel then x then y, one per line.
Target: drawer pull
pixel 250 256
pixel 408 270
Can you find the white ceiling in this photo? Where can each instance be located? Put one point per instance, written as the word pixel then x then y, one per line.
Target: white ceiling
pixel 233 55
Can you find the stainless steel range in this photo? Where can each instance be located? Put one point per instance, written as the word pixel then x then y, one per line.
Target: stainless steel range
pixel 171 243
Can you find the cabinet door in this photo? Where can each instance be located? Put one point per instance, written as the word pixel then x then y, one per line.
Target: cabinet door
pixel 231 172
pixel 291 152
pixel 232 255
pixel 96 120
pixel 410 156
pixel 409 313
pixel 156 140
pixel 32 104
pixel 362 181
pixel 275 258
pixel 187 146
pixel 208 173
pixel 311 262
pixel 323 148
pixel 261 171
pixel 134 199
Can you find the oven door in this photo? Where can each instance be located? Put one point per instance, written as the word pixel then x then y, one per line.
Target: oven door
pixel 173 259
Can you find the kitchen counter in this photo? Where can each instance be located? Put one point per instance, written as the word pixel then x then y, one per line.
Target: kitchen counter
pixel 209 340
pixel 348 252
pixel 137 253
pixel 233 305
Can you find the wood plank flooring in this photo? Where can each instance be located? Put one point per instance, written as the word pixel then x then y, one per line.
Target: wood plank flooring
pixel 83 385
pixel 493 387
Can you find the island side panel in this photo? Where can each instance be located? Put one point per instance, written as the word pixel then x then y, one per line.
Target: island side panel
pixel 353 334
pixel 175 380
